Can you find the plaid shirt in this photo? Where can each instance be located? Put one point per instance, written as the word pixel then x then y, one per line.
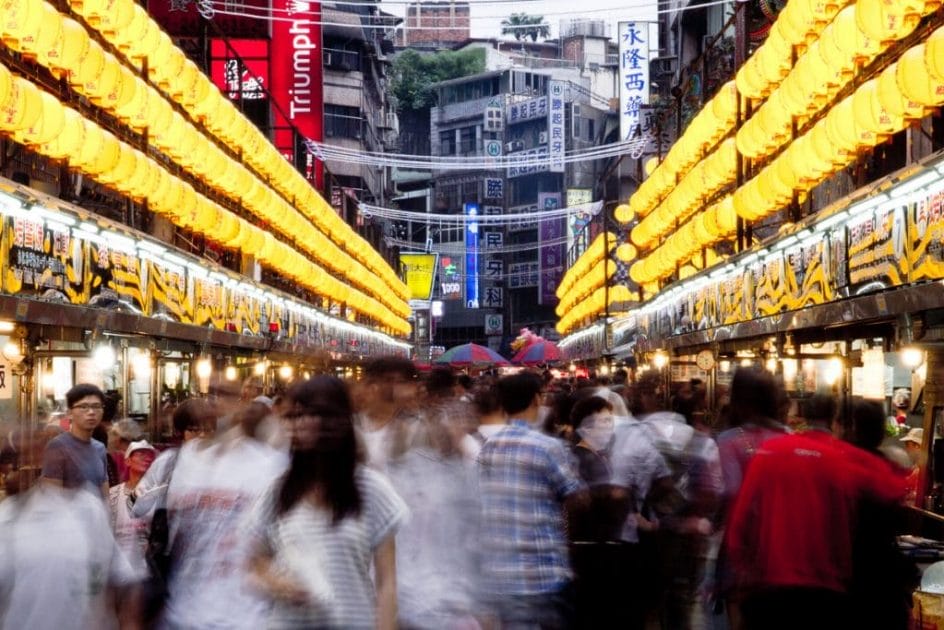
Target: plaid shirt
pixel 524 477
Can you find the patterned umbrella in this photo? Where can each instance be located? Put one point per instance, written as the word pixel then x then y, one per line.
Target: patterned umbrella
pixel 471 355
pixel 540 352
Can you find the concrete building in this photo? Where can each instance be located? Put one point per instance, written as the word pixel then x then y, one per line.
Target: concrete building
pixel 434 25
pixel 510 110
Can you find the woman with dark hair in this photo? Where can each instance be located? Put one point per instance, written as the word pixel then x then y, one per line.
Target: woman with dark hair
pixel 317 531
pixel 882 577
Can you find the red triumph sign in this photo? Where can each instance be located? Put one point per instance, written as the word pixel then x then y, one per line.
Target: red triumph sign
pixel 297 76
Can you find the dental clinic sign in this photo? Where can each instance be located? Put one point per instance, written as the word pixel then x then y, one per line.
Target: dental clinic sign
pixel 296 73
pixel 633 39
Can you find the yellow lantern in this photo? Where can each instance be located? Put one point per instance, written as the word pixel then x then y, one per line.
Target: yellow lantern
pixel 22 107
pixel 20 20
pixel 870 114
pixel 48 125
pixel 914 80
pixel 886 21
pixel 73 48
pixel 893 100
pixel 69 140
pixel 104 82
pixel 90 65
pixel 623 213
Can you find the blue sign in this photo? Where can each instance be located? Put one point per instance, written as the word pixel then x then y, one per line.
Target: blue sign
pixel 471 256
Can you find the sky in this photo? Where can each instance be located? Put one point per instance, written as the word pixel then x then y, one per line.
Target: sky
pixel 487 15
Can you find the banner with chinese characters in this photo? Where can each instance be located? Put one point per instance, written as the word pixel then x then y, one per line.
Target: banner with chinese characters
pixel 555 127
pixel 419 272
pixel 769 286
pixel 577 221
pixel 527 110
pixel 494 188
pixel 166 290
pixel 240 67
pixel 926 237
pixel 633 40
pixel 531 161
pixel 117 275
pixel 806 273
pixel 523 275
pixel 42 259
pixel 876 250
pixel 551 249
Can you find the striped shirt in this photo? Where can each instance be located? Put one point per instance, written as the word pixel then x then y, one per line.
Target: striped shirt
pixel 524 477
pixel 342 552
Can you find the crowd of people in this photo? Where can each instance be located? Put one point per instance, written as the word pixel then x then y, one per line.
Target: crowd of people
pixel 447 502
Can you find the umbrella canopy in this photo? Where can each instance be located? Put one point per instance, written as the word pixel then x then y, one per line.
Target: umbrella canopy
pixel 540 352
pixel 471 355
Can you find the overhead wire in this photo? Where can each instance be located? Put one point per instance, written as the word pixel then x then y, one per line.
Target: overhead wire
pixel 274 15
pixel 370 211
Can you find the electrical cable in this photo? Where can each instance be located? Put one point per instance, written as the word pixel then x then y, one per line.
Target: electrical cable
pixel 370 211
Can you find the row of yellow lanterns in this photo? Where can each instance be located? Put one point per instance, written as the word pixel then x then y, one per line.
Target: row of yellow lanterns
pixel 39 120
pixel 712 123
pixel 593 306
pixel 827 65
pixel 597 251
pixel 717 222
pixel 717 171
pixel 593 278
pixel 879 107
pixel 124 24
pixel 866 25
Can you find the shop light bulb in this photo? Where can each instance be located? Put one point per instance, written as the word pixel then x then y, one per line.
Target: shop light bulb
pixel 204 368
pixel 260 368
pixel 771 365
pixel 660 360
pixel 172 375
pixel 141 366
pixel 230 373
pixel 104 357
pixel 789 369
pixel 912 357
pixel 833 371
pixel 285 372
pixel 724 366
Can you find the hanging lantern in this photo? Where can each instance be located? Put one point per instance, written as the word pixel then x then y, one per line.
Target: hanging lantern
pixel 914 80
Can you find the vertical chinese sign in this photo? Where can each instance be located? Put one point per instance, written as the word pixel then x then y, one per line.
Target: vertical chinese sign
pixel 555 126
pixel 471 210
pixel 297 81
pixel 633 75
pixel 550 258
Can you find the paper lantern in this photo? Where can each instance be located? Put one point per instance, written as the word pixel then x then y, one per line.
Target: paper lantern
pixel 893 100
pixel 48 125
pixel 623 213
pixel 70 138
pixel 914 80
pixel 20 20
pixel 870 114
pixel 22 106
pixel 887 21
pixel 104 82
pixel 90 66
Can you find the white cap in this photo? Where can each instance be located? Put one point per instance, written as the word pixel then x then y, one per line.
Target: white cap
pixel 140 445
pixel 265 400
pixel 915 435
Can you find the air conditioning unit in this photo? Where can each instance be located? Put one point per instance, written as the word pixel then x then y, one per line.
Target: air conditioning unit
pixel 517 145
pixel 510 146
pixel 542 137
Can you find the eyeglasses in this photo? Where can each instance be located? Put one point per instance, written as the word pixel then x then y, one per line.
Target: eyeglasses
pixel 89 406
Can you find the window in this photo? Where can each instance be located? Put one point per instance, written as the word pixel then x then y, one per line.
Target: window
pixel 343 122
pixel 590 129
pixel 447 142
pixel 467 141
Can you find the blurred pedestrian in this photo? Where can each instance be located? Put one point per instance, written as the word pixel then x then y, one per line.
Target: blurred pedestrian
pixel 131 533
pixel 387 399
pixel 74 459
pixel 318 530
pixel 528 483
pixel 806 488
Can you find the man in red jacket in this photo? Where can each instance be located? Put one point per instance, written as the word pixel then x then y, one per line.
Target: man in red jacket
pixel 790 532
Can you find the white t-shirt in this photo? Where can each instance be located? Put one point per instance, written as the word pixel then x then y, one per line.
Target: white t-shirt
pixel 131 533
pixel 344 551
pixel 211 491
pixel 57 558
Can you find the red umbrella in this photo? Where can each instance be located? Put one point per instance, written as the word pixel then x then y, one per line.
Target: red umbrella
pixel 471 355
pixel 539 352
